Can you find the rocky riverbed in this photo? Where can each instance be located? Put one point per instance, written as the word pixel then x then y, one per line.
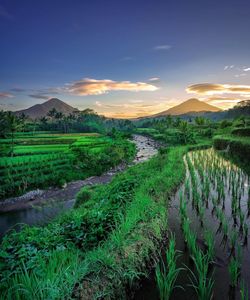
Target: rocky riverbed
pixel 38 206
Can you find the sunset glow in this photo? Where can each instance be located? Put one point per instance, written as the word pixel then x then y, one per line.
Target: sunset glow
pixel 118 67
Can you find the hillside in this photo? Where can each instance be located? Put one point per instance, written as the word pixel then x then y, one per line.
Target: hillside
pixel 189 106
pixel 41 110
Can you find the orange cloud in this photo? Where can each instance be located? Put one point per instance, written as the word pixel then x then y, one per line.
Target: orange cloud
pixel 213 89
pixel 89 86
pixel 133 108
pixel 6 95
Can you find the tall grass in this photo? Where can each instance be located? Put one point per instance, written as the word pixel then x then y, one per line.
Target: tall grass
pixel 202 283
pixel 234 271
pixel 118 259
pixel 166 275
pixel 51 282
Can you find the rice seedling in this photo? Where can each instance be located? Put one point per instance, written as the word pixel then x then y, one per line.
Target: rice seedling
pixel 241 217
pixel 191 242
pixel 243 291
pixel 187 188
pixel 239 255
pixel 201 210
pixel 202 283
pixel 186 228
pixel 234 271
pixel 233 238
pixel 210 243
pixel 225 228
pixel 183 207
pixel 166 276
pixel 245 233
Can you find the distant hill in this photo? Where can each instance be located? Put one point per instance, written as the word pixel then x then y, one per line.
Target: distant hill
pixel 41 110
pixel 190 106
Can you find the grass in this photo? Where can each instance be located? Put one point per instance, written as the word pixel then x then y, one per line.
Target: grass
pixel 209 171
pixel 210 243
pixel 202 283
pixel 44 160
pixel 239 146
pixel 117 258
pixel 244 295
pixel 234 271
pixel 166 276
pixel 27 285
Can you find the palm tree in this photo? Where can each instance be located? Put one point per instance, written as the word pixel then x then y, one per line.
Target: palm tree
pixel 200 121
pixel 169 121
pixel 52 113
pixel 184 128
pixel 3 124
pixel 14 124
pixel 44 122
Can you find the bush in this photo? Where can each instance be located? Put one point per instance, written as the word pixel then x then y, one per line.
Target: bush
pixel 82 196
pixel 235 145
pixel 245 131
pixel 225 123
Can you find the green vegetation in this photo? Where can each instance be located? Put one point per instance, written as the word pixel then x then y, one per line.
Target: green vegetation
pixel 166 277
pixel 130 213
pixel 238 146
pixel 41 160
pixel 102 246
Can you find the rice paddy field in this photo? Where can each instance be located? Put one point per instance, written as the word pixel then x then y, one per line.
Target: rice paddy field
pixel 44 158
pixel 208 256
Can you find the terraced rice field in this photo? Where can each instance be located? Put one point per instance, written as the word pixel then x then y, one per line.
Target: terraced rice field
pixel 209 218
pixel 43 158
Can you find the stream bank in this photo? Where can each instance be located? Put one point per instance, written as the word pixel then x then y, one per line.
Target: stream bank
pixel 38 207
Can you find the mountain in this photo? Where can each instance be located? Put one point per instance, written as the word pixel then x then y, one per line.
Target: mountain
pixel 41 110
pixel 190 106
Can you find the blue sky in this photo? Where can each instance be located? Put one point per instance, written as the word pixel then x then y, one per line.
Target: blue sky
pixel 124 58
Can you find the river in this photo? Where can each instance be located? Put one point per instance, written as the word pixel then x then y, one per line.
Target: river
pixel 39 207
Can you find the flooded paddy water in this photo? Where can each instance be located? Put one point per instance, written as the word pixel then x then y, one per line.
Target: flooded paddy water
pixel 209 217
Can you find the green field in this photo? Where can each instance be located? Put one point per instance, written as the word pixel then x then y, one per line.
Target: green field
pixel 45 159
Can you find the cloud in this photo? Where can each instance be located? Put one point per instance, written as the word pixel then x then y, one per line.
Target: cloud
pixel 220 98
pixel 212 89
pixel 39 96
pixel 246 69
pixel 228 67
pixel 98 103
pixel 240 75
pixel 134 108
pixel 127 58
pixel 5 95
pixel 135 101
pixel 162 47
pixel 5 14
pixel 89 86
pixel 18 90
pixel 154 79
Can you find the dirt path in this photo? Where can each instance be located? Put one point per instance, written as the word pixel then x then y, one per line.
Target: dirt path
pixel 146 148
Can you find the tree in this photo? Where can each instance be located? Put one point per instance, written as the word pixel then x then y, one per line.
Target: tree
pixel 88 111
pixel 186 132
pixel 52 113
pixel 200 121
pixel 3 124
pixel 44 122
pixel 14 124
pixel 169 121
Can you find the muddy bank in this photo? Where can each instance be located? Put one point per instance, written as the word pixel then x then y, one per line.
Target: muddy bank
pixel 40 206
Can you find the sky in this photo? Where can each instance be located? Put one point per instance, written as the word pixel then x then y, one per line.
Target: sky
pixel 124 58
